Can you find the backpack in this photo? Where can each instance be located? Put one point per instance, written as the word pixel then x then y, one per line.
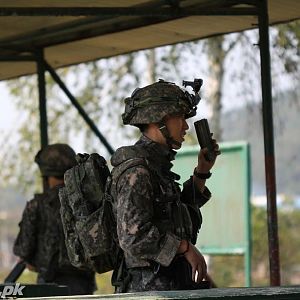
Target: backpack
pixel 87 215
pixel 88 220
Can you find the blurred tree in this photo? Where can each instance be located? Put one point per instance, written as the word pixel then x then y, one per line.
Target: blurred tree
pixel 229 270
pixel 98 86
pixel 236 56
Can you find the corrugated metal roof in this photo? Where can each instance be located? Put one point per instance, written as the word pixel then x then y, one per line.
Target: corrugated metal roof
pixel 71 39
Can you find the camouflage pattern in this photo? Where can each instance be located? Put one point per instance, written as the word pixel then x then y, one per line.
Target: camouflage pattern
pixel 40 242
pixel 145 279
pixel 55 159
pixel 153 102
pixel 177 276
pixel 153 215
pixel 87 215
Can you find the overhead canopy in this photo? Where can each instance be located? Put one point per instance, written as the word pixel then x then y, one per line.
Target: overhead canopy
pixel 72 32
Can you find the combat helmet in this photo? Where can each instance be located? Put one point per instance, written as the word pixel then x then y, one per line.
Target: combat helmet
pixel 55 159
pixel 152 103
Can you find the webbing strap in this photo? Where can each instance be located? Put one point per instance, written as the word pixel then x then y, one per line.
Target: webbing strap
pixel 165 132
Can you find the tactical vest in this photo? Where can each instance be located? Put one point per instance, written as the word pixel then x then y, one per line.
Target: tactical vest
pixel 170 213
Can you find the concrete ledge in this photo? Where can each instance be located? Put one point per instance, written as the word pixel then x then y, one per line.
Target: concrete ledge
pixel 261 293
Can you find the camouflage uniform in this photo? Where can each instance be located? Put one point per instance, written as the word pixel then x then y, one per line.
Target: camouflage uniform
pixel 152 214
pixel 40 241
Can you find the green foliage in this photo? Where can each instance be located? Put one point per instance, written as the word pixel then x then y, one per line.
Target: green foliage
pixel 259 235
pixel 288 40
pixel 104 284
pixel 228 271
pixel 102 280
pixel 28 277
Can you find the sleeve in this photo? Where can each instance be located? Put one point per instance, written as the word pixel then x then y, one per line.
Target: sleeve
pixel 137 234
pixel 25 242
pixel 191 195
pixel 194 199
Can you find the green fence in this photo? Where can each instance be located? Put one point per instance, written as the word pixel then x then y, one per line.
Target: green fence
pixel 226 217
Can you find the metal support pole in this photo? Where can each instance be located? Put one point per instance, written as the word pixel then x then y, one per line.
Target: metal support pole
pixel 248 232
pixel 42 97
pixel 267 111
pixel 79 108
pixel 42 105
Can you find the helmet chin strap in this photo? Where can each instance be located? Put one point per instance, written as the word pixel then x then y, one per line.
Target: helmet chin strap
pixel 166 134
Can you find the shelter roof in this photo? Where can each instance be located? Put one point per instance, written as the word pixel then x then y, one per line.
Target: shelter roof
pixel 72 32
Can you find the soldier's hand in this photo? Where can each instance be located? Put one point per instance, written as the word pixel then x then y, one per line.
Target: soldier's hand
pixel 204 165
pixel 197 262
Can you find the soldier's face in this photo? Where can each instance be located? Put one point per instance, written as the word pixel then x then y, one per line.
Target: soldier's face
pixel 177 127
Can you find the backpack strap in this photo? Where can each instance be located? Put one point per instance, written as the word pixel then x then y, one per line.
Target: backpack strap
pixel 130 163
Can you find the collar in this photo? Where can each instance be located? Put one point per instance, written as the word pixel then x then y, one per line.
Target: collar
pixel 159 155
pixel 51 194
pixel 159 149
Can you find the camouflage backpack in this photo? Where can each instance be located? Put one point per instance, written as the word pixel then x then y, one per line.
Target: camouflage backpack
pixel 87 214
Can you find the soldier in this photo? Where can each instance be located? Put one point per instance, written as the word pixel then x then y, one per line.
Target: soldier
pixel 157 224
pixel 40 242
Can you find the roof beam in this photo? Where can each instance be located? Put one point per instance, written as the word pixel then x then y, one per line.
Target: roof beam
pixel 6 58
pixel 126 11
pixel 64 34
pixel 104 23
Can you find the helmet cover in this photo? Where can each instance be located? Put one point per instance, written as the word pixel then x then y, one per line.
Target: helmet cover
pixel 152 103
pixel 55 159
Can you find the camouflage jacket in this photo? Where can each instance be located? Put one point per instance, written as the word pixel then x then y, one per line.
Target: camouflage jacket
pixel 40 241
pixel 152 214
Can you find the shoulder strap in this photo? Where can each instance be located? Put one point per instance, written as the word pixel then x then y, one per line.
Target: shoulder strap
pixel 130 163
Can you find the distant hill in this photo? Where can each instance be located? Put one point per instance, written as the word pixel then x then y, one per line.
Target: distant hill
pixel 246 124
